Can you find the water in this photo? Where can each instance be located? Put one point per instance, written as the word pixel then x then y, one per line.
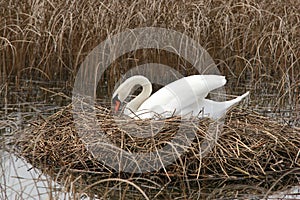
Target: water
pixel 19 180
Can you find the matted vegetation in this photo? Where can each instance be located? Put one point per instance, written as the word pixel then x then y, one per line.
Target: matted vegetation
pixel 253 152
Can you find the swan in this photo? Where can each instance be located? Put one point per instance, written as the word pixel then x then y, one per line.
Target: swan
pixel 185 97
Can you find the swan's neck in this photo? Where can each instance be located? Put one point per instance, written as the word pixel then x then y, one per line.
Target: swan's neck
pixel 135 103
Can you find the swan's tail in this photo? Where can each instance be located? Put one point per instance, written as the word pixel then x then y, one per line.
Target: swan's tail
pixel 236 100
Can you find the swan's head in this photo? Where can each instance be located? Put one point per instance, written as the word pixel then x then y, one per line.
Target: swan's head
pixel 122 92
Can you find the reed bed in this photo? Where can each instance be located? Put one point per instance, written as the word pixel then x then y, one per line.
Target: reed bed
pixel 253 156
pixel 253 42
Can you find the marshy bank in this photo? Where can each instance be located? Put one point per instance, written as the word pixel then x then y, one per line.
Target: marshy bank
pixel 255 44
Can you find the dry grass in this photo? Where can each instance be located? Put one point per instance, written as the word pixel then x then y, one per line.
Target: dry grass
pixel 254 155
pixel 253 42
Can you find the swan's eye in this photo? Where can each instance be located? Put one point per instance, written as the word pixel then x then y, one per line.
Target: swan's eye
pixel 116 102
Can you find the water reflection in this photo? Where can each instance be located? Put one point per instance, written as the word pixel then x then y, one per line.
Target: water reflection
pixel 19 180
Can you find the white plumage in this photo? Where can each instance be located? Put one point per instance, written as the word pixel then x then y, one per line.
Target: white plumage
pixel 185 97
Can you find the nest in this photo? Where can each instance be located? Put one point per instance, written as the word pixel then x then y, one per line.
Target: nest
pixel 252 151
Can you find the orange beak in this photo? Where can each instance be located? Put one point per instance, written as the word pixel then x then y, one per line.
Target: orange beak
pixel 117 106
pixel 117 103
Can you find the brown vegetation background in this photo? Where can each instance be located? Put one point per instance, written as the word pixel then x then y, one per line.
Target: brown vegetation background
pixel 254 43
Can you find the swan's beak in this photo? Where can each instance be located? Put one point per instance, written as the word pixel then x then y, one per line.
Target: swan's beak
pixel 117 106
pixel 117 103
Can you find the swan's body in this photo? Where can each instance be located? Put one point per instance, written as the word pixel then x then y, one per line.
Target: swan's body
pixel 184 97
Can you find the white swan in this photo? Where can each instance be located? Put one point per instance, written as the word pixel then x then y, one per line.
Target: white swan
pixel 184 97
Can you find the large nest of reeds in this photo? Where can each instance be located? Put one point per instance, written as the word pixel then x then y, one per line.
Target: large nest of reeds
pixel 251 151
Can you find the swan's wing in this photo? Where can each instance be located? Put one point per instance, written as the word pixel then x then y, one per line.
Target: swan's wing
pixel 183 92
pixel 210 108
